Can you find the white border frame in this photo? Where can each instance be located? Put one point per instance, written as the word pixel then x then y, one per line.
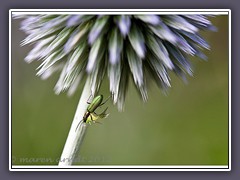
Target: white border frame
pixel 121 168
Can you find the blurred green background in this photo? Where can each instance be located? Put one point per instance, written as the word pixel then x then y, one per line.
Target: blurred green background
pixel 189 126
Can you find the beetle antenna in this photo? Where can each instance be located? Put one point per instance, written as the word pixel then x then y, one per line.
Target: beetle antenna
pixel 78 125
pixel 105 101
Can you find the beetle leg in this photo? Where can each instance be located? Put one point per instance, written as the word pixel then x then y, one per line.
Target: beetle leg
pixel 102 114
pixel 95 113
pixel 89 98
pixel 91 117
pixel 98 122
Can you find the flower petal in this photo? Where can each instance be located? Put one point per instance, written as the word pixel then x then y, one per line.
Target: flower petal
pixel 159 50
pixel 115 46
pixel 179 23
pixel 135 64
pixel 95 54
pixel 78 35
pixel 137 41
pixel 149 18
pixel 97 29
pixel 124 24
pixel 164 33
pixel 114 75
pixel 75 20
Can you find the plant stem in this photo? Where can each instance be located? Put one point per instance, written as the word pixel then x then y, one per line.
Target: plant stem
pixel 76 136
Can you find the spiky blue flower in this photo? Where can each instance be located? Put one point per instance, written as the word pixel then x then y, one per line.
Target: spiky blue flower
pixel 121 46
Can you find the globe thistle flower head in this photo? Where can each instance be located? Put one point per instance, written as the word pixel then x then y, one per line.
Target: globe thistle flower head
pixel 119 46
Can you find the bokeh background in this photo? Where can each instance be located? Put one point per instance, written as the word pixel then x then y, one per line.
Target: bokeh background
pixel 188 126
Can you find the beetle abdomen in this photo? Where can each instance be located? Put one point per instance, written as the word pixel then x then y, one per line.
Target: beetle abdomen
pixel 95 103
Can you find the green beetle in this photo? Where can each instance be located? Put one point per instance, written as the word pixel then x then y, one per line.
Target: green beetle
pixel 90 115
